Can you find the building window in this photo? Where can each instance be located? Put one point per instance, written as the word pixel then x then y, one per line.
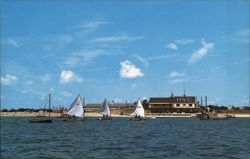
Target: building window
pixel 177 105
pixel 190 105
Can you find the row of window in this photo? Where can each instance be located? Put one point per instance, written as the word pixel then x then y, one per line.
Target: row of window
pixel 190 105
pixel 169 105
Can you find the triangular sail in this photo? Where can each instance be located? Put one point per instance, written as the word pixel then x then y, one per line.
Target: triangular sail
pixel 105 108
pixel 76 108
pixel 139 110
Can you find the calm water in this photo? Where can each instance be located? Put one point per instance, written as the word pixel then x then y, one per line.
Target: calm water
pixel 122 138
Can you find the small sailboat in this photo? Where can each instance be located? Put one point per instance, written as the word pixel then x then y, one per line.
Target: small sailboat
pixel 43 119
pixel 105 111
pixel 138 113
pixel 76 111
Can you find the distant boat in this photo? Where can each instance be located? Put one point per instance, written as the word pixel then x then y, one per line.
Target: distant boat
pixel 76 111
pixel 105 111
pixel 43 119
pixel 138 113
pixel 207 115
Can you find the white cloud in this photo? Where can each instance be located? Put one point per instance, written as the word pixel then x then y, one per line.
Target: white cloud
pixel 184 41
pixel 87 28
pixel 8 79
pixel 240 37
pixel 84 57
pixel 121 37
pixel 128 70
pixel 176 77
pixel 141 59
pixel 68 76
pixel 172 46
pixel 13 42
pixel 201 52
pixel 175 74
pixel 94 24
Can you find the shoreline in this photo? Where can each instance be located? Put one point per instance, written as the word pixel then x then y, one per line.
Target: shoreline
pixel 168 115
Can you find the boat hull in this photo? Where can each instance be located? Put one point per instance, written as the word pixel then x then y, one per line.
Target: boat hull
pixel 137 119
pixel 41 121
pixel 104 118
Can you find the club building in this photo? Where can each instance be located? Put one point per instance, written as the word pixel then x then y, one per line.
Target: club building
pixel 172 104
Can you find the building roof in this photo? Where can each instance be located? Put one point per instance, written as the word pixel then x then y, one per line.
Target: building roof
pixel 174 99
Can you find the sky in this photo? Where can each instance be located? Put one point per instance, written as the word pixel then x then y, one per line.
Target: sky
pixel 122 50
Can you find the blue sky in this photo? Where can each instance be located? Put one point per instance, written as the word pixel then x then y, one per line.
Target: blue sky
pixel 123 50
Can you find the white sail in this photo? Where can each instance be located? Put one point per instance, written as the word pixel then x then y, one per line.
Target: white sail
pixel 105 108
pixel 76 108
pixel 139 110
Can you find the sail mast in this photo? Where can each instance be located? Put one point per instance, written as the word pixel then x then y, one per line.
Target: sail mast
pixel 49 103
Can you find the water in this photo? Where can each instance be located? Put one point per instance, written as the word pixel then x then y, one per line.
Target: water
pixel 121 138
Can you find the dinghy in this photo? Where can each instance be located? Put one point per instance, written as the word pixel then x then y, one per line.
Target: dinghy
pixel 138 113
pixel 75 111
pixel 43 119
pixel 105 111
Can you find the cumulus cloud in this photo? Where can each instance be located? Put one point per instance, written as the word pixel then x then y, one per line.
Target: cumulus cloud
pixel 68 76
pixel 128 70
pixel 8 79
pixel 201 52
pixel 172 46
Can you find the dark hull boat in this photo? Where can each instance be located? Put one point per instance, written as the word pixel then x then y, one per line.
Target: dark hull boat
pixel 105 118
pixel 137 119
pixel 40 121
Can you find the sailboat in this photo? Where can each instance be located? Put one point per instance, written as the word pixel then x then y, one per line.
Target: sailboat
pixel 75 111
pixel 105 111
pixel 138 113
pixel 43 119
